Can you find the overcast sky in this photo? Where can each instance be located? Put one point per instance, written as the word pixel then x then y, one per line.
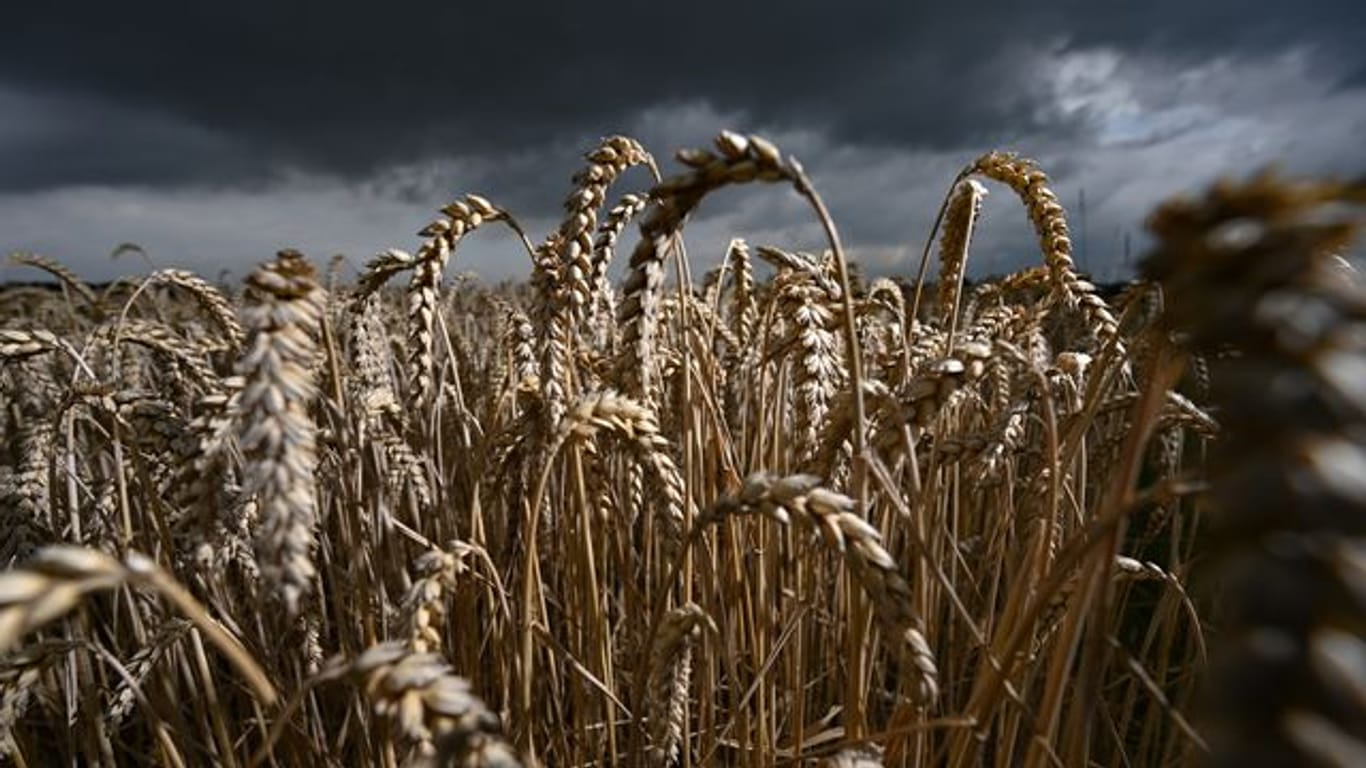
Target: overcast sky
pixel 213 134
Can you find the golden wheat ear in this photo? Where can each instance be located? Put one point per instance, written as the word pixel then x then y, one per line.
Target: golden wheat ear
pixel 801 500
pixel 282 311
pixel 670 677
pixel 432 706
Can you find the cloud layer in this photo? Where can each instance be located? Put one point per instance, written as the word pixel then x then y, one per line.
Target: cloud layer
pixel 215 135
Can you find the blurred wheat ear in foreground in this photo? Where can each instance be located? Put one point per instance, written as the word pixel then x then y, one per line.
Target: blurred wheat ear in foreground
pixel 740 508
pixel 1256 268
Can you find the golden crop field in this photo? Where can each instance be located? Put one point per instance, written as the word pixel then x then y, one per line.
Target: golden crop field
pixel 738 509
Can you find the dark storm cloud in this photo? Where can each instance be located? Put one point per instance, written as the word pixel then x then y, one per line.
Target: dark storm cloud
pixel 1199 28
pixel 1355 80
pixel 175 91
pixel 49 140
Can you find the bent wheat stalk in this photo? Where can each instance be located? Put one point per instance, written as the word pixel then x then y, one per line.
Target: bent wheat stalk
pixel 57 579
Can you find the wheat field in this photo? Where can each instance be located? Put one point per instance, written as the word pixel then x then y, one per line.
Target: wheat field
pixel 737 509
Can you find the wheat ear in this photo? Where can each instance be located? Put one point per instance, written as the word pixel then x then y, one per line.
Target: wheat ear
pixel 960 221
pixel 209 298
pixel 432 706
pixel 801 499
pixel 740 160
pixel 281 313
pixel 670 675
pixel 1049 219
pixel 69 279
